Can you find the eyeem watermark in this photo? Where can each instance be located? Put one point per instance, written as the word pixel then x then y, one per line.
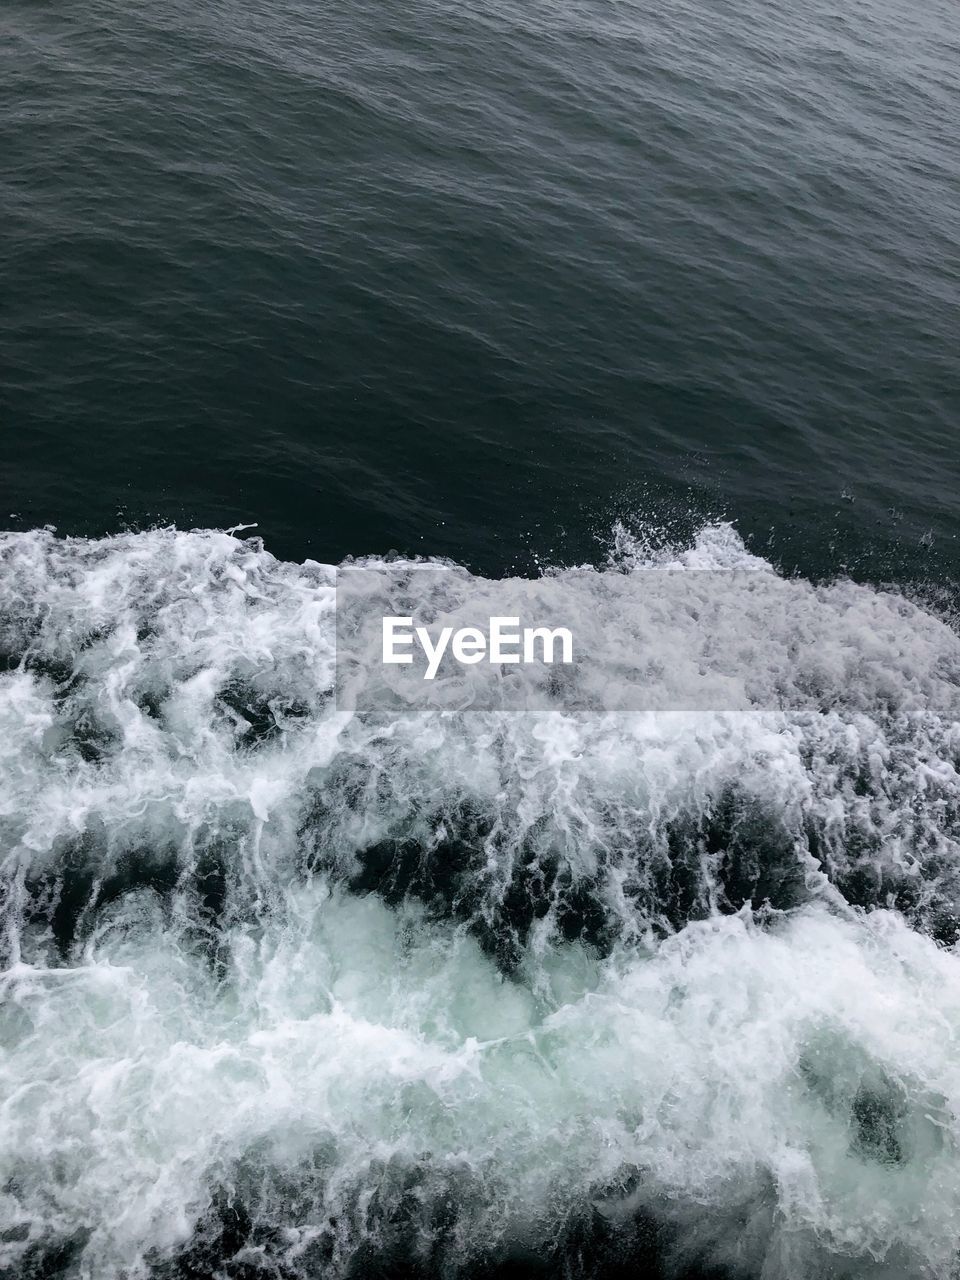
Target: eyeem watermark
pixel 501 642
pixel 411 637
pixel 417 637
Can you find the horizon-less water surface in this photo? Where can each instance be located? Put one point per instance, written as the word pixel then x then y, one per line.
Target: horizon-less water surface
pixel 474 281
pixel 609 289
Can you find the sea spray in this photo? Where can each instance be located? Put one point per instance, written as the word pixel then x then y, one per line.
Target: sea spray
pixel 295 990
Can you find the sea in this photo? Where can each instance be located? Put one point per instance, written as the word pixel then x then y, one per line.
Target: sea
pixel 556 301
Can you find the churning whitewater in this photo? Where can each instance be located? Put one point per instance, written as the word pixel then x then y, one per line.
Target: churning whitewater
pixel 291 989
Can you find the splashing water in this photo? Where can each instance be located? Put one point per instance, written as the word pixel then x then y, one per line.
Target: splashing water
pixel 293 991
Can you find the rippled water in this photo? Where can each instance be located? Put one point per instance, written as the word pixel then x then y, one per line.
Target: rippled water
pixel 472 280
pixel 292 991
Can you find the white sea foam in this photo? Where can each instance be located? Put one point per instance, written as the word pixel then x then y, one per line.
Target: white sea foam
pixel 339 969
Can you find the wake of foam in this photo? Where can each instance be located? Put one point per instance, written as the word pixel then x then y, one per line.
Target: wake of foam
pixel 451 984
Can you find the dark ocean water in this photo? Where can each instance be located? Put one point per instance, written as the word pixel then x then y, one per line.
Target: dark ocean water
pixel 473 281
pixel 288 992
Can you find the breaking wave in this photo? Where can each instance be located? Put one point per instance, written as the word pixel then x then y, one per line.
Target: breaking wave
pixel 294 991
